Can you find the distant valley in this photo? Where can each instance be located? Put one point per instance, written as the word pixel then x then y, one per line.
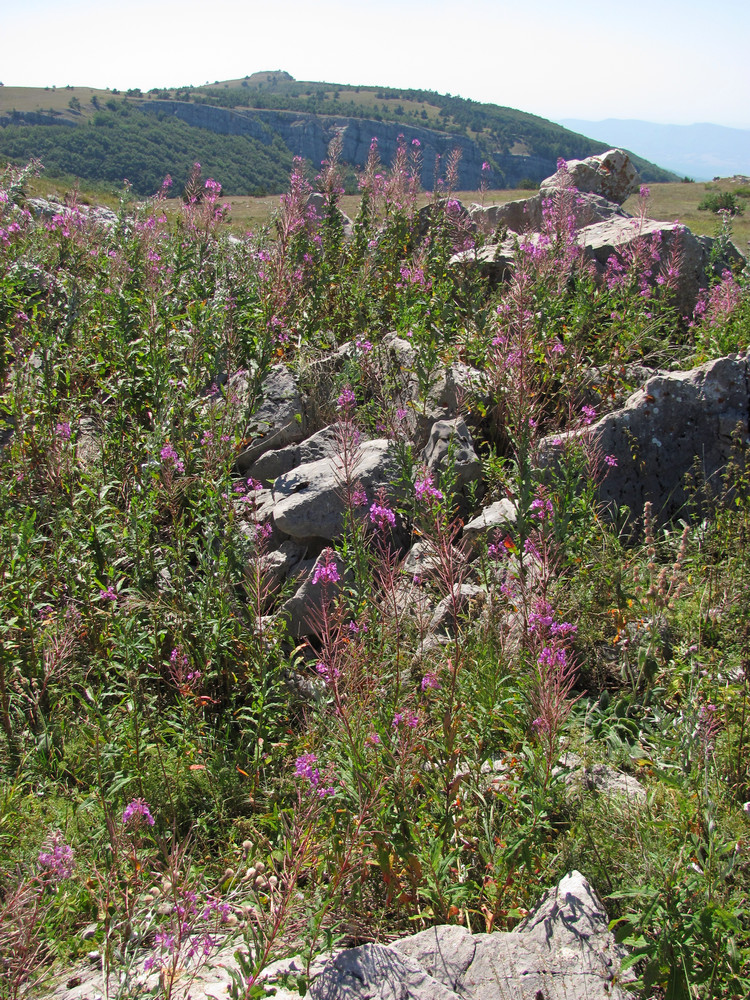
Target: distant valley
pixel 701 151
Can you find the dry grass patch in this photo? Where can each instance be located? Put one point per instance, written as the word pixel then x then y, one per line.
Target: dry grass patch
pixel 680 201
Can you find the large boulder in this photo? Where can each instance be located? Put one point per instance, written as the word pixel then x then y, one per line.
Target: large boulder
pixel 377 972
pixel 450 450
pixel 499 517
pixel 623 237
pixel 611 174
pixel 526 214
pixel 303 611
pixel 309 500
pixel 563 949
pixel 677 421
pixel 317 211
pixel 278 419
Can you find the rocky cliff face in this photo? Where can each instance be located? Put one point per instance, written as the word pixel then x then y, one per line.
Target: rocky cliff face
pixel 308 136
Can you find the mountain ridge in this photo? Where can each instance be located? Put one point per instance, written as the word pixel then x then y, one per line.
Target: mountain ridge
pixel 501 147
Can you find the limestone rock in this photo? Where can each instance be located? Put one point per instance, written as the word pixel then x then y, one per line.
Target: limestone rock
pixel 309 500
pixel 463 600
pixel 421 561
pixel 451 449
pixel 316 213
pixel 620 237
pixel 376 972
pixel 616 786
pixel 526 214
pixel 278 419
pixel 444 952
pixel 275 463
pixel 277 565
pixel 563 949
pixel 303 609
pixel 494 260
pixel 655 440
pixel 498 516
pixel 611 174
pixel 81 214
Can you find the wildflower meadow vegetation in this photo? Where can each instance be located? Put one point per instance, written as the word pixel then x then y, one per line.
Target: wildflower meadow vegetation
pixel 177 771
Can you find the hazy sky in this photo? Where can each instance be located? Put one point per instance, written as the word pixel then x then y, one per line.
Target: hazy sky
pixel 671 61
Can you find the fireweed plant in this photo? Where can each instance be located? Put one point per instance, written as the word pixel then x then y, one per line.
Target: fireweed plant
pixel 181 770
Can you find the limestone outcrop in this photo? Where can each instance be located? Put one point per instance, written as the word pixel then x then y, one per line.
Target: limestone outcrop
pixel 678 424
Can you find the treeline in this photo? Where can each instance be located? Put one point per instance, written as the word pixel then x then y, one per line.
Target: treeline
pixel 143 148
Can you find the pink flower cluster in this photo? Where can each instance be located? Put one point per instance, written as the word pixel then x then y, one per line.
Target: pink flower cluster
pixel 57 860
pixel 136 813
pixel 171 459
pixel 382 517
pixel 305 768
pixel 425 490
pixel 326 571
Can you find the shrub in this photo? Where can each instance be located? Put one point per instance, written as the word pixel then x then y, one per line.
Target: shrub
pixel 722 201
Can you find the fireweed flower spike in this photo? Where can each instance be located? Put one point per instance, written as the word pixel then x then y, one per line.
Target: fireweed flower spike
pixel 425 491
pixel 170 458
pixel 382 517
pixel 57 860
pixel 347 400
pixel 326 571
pixel 137 813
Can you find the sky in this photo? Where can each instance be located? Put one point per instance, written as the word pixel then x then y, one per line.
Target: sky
pixel 668 61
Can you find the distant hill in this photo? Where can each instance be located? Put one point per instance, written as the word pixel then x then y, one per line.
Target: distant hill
pixel 245 132
pixel 699 151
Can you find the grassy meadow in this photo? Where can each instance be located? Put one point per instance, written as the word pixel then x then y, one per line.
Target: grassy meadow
pixel 178 770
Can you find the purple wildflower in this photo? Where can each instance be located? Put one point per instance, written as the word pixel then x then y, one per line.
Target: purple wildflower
pixel 347 400
pixel 170 457
pixel 304 768
pixel 589 414
pixel 326 571
pixel 57 860
pixel 425 490
pixel 382 517
pixel 410 719
pixel 136 813
pixel 552 656
pixel 329 674
pixel 542 508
